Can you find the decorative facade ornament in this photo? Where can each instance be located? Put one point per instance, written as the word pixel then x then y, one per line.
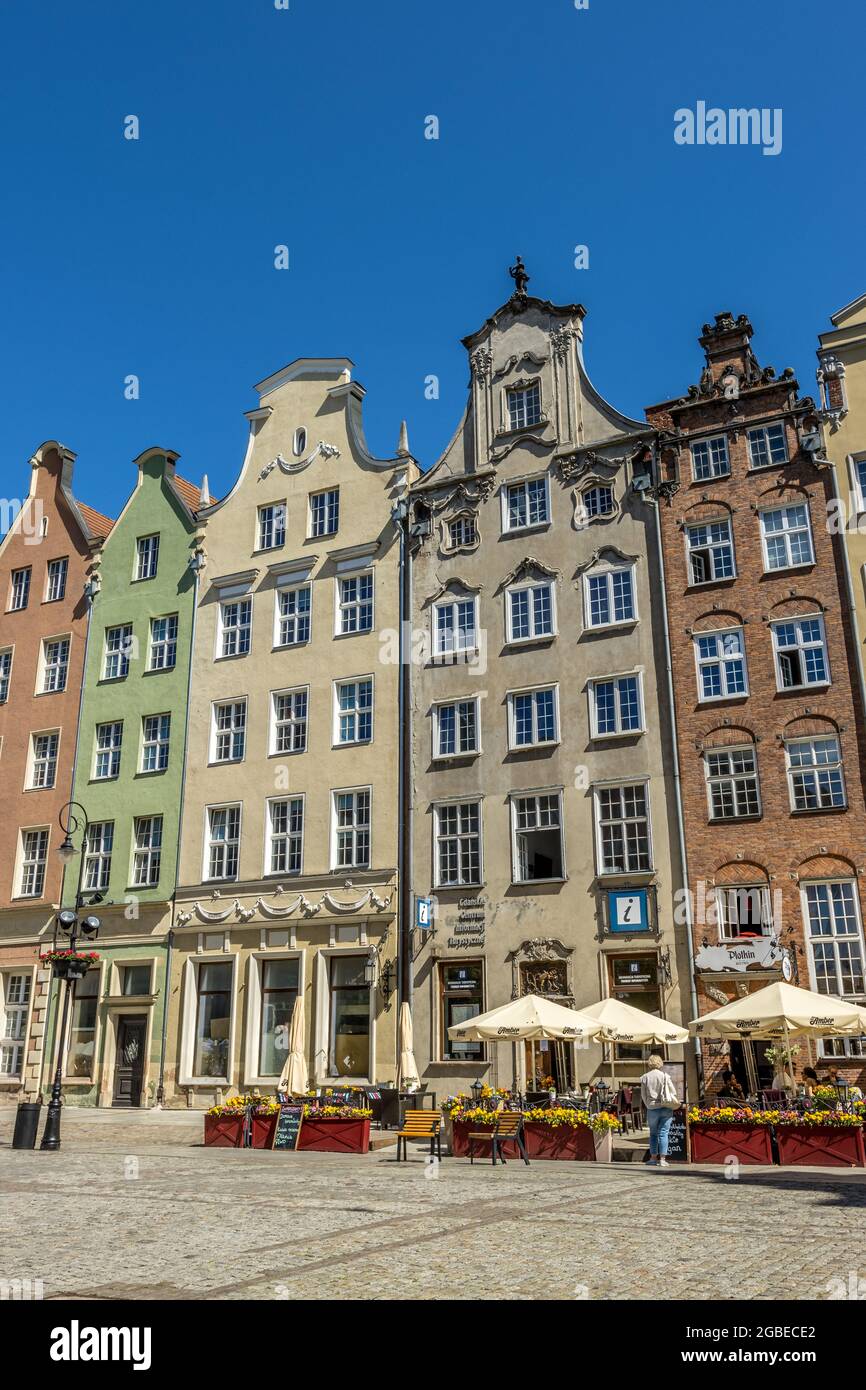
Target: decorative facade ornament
pixel 299 904
pixel 322 450
pixel 470 494
pixel 481 363
pixel 542 965
pixel 518 361
pixel 529 565
pixel 574 465
pixel 520 278
pixel 560 341
pixel 667 491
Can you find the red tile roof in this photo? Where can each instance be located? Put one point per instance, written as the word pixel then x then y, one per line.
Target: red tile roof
pixel 96 523
pixel 190 493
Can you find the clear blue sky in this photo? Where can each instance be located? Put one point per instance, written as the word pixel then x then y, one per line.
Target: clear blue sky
pixel 306 127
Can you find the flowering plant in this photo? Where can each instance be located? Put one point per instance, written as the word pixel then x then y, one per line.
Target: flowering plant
pixel 452 1104
pixel 51 956
pixel 558 1116
pixel 837 1119
pixel 238 1105
pixel 474 1115
pixel 825 1093
pixel 337 1112
pixel 742 1115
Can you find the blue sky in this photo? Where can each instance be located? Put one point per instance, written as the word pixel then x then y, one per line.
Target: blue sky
pixel 305 127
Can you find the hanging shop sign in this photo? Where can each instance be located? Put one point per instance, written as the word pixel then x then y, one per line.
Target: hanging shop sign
pixel 754 953
pixel 424 914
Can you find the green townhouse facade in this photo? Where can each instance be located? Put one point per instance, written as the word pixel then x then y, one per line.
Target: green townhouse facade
pixel 128 779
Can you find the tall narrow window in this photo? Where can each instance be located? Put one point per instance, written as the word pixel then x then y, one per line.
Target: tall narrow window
pixel 81 1053
pixel 118 650
pixel 325 512
pixel 97 855
pixel 349 1041
pixel 34 856
pixel 537 829
pixel 622 815
pixel 285 835
pixel 271 526
pixel 458 843
pixel 533 718
pixel 19 595
pixel 787 538
pixel 55 669
pixel 146 557
pixel 14 1005
pixel 835 936
pixel 5 674
pixel 279 992
pixel 236 621
pixel 163 643
pixel 43 772
pixel 454 627
pixel 212 1019
pixel 530 612
pixel 616 706
pixel 721 659
pixel 711 552
pixel 56 585
pixel 455 728
pixel 224 830
pixel 524 406
pixel 229 731
pixel 109 740
pixel 289 722
pixel 355 601
pixel 353 715
pixel 815 774
pixel 462 995
pixel 147 853
pixel 156 736
pixel 801 653
pixel 609 597
pixel 352 829
pixel 293 616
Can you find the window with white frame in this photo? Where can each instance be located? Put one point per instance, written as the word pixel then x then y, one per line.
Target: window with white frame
pixel 767 446
pixel 14 1006
pixel 732 783
pixel 842 1047
pixel 325 512
pixel 527 504
pixel 293 616
pixel 43 759
pixel 155 741
pixel 55 589
pixel 229 738
pixel 529 610
pixel 457 835
pixel 285 835
pixel 97 855
pixel 355 603
pixel 163 643
pixel 786 536
pixel 81 1053
pixel 109 739
pixel 213 1012
pixel 5 674
pixel 34 857
pixel 743 909
pixel 349 1016
pixel 289 720
pixel 815 776
pixel 597 501
pixel 800 647
pixel 279 990
pixel 353 711
pixel 533 717
pixel 710 548
pixel 462 531
pixel 859 465
pixel 536 823
pixel 55 664
pixel 118 649
pixel 147 851
pixel 455 728
pixel 351 813
pixel 616 706
pixel 236 622
pixel 271 529
pixel 146 557
pixel 19 595
pixel 223 841
pixel 622 823
pixel 524 405
pixel 710 458
pixel 455 627
pixel 832 916
pixel 609 597
pixel 721 662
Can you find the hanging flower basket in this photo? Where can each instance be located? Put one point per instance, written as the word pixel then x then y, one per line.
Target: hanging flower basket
pixel 69 965
pixel 821 1139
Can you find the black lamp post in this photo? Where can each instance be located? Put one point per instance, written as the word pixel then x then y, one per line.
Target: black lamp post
pixel 68 925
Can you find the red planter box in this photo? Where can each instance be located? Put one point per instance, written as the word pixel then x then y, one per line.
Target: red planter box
pixel 825 1146
pixel 262 1131
pixel 461 1131
pixel 335 1136
pixel 563 1141
pixel 223 1131
pixel 718 1143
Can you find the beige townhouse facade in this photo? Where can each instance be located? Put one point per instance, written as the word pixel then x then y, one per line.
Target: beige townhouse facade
pixel 289 843
pixel 544 826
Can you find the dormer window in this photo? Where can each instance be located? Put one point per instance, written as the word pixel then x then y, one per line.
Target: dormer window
pixel 524 406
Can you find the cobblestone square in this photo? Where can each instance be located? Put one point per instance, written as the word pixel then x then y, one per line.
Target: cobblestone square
pixel 138 1211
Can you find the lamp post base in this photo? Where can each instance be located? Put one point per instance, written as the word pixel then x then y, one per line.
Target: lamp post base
pixel 51 1132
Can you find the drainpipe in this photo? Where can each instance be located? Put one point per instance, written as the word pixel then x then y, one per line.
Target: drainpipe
pixel 400 516
pixel 678 794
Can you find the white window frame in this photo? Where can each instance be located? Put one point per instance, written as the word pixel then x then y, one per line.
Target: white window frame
pixel 239 702
pixel 833 937
pixel 460 836
pixel 163 645
pixel 37 863
pixel 329 508
pixel 147 854
pixel 536 796
pixel 530 586
pixel 595 490
pixel 710 443
pixel 190 1016
pixel 785 535
pixel 758 436
pixel 723 660
pixel 257 962
pixel 51 669
pixel 454 650
pixel 355 792
pixel 14 1040
pixel 270 837
pixel 96 854
pixel 436 715
pixel 533 691
pixel 607 572
pixel 732 777
pixel 710 547
pixel 355 712
pixel 524 484
pixel 294 618
pixel 619 731
pixel 225 843
pixel 56 578
pixel 463 542
pixel 119 654
pixel 235 630
pixel 801 648
pixel 161 742
pixel 20 590
pixel 721 903
pixel 525 394
pixel 112 749
pixel 6 659
pixel 346 607
pixel 146 557
pixel 620 784
pixel 812 771
pixel 273 525
pixel 42 762
pixel 293 722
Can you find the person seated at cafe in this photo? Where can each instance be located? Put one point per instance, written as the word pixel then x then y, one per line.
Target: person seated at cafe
pixel 810 1080
pixel 729 1085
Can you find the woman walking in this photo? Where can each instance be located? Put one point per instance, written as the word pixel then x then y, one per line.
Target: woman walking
pixel 659 1095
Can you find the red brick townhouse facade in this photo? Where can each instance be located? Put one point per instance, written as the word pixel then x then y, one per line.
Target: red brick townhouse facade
pixel 768 705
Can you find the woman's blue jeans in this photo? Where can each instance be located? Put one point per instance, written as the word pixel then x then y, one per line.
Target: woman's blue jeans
pixel 659 1121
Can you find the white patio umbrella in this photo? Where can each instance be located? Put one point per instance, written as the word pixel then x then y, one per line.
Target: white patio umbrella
pixel 294 1079
pixel 407 1069
pixel 623 1023
pixel 529 1017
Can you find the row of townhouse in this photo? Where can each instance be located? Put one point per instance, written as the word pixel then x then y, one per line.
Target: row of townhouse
pixel 578 711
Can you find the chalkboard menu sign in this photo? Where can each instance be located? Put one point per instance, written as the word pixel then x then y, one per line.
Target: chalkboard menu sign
pixel 288 1126
pixel 678 1144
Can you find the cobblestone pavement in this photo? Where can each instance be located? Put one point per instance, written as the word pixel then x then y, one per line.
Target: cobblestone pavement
pixel 132 1208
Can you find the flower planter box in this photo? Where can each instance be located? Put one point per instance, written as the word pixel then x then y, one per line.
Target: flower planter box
pixel 568 1142
pixel 718 1143
pixel 223 1131
pixel 461 1130
pixel 824 1146
pixel 335 1136
pixel 262 1131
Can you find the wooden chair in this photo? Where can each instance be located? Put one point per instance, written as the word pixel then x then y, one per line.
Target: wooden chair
pixel 421 1124
pixel 508 1127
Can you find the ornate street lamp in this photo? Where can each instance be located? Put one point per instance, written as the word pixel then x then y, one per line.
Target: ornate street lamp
pixel 67 925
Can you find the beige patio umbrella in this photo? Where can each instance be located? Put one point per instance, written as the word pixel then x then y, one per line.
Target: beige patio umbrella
pixel 407 1069
pixel 623 1023
pixel 294 1079
pixel 529 1017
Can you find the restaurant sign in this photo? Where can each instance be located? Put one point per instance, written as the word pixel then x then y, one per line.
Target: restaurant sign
pixel 754 953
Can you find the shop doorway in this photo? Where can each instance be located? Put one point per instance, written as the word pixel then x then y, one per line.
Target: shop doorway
pixel 129 1060
pixel 549 1064
pixel 750 1066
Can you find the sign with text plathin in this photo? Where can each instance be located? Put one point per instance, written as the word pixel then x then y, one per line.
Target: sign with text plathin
pixel 424 913
pixel 627 910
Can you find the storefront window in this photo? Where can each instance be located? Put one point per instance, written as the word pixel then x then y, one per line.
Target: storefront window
pixel 462 999
pixel 82 1034
pixel 349 1051
pixel 213 1019
pixel 279 992
pixel 635 980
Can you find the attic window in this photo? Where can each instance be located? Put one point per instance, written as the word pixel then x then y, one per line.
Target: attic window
pixel 300 442
pixel 524 406
pixel 462 531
